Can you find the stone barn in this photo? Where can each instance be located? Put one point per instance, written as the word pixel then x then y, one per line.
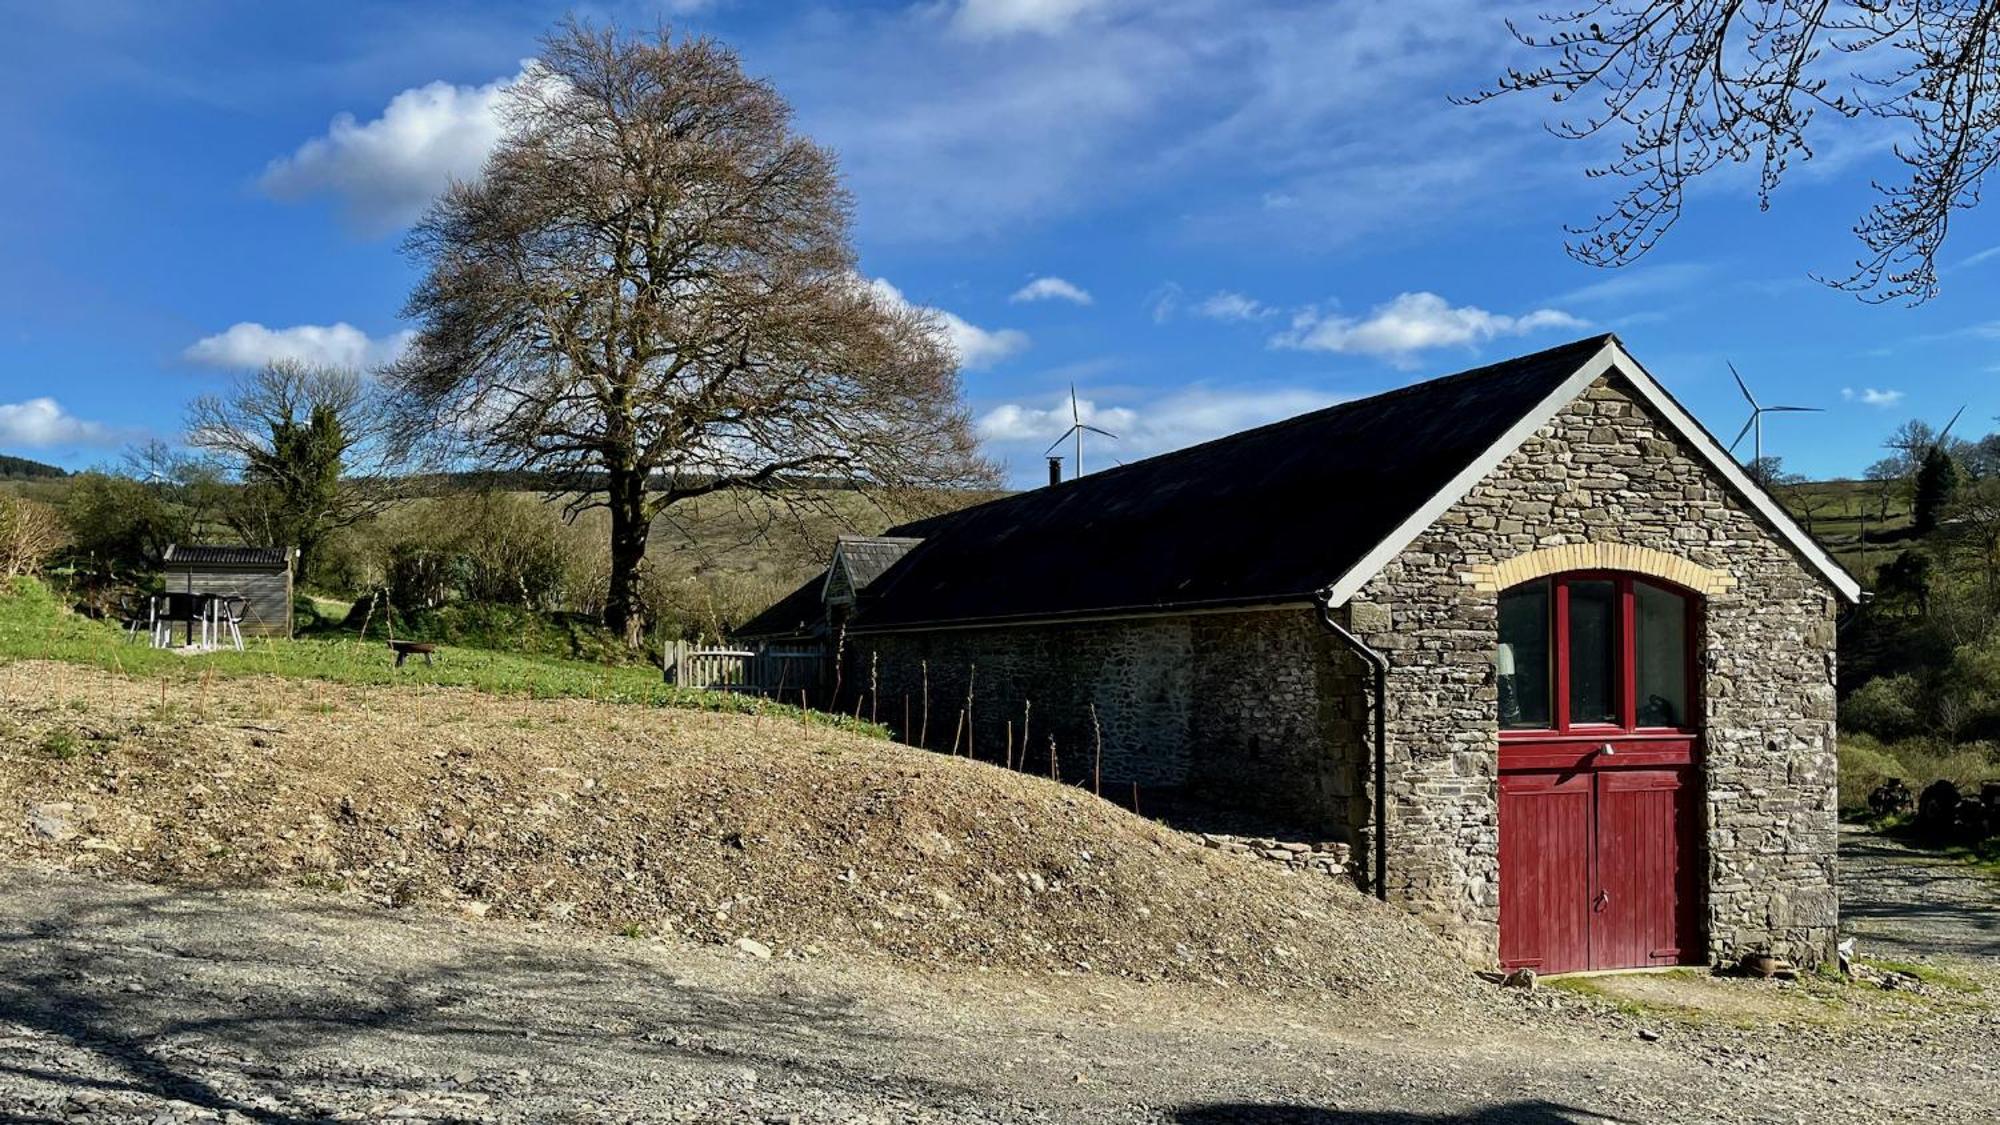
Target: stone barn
pixel 1525 637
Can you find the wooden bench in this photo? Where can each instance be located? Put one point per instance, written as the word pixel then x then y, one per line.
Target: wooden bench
pixel 406 649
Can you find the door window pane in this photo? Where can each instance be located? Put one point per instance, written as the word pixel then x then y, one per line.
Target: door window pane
pixel 1523 658
pixel 1659 625
pixel 1593 665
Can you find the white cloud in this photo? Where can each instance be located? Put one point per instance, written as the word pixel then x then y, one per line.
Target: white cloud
pixel 1985 255
pixel 386 171
pixel 1051 289
pixel 1232 306
pixel 1869 396
pixel 1412 323
pixel 977 348
pixel 1172 421
pixel 41 423
pixel 1640 281
pixel 248 344
pixel 997 19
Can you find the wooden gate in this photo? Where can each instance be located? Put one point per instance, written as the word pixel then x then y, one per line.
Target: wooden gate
pixel 782 673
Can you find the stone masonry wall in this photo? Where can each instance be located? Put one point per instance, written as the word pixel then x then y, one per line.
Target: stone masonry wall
pixel 1258 709
pixel 1604 471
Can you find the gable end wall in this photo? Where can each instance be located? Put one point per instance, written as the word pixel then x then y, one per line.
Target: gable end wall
pixel 1604 471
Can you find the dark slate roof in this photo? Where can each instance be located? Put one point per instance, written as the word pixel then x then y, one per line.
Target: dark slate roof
pixel 203 554
pixel 1264 516
pixel 868 556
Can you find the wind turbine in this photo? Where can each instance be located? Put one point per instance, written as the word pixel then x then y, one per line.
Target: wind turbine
pixel 1756 422
pixel 1077 429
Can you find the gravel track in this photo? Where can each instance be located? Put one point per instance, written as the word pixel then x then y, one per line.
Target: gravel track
pixel 1900 902
pixel 121 1002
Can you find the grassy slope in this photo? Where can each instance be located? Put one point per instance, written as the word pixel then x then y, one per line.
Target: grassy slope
pixel 1841 510
pixel 35 626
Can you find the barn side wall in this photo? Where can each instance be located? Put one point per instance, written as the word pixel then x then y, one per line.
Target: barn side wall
pixel 1604 471
pixel 1257 710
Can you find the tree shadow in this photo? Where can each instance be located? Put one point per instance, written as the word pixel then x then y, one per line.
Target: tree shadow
pixel 1511 1113
pixel 173 996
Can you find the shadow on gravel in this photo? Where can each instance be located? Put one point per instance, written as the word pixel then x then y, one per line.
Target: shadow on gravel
pixel 1512 1113
pixel 1935 904
pixel 171 1003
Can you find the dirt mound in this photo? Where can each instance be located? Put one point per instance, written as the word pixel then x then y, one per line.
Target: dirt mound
pixel 653 821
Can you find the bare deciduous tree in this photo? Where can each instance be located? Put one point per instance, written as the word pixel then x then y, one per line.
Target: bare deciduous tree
pixel 1685 86
pixel 650 293
pixel 310 445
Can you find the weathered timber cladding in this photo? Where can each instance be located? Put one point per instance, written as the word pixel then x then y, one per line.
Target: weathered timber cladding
pixel 267 594
pixel 1604 471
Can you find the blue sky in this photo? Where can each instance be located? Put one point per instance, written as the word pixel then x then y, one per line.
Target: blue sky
pixel 1203 213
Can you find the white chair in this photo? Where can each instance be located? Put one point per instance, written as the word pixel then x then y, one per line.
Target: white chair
pixel 228 614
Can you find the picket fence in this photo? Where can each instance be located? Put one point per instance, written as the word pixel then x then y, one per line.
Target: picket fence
pixel 755 669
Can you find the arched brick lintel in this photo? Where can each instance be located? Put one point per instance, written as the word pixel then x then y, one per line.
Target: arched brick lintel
pixel 1491 578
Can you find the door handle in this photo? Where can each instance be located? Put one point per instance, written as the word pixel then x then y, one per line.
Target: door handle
pixel 1602 900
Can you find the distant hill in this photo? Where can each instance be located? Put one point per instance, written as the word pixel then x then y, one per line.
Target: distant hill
pixel 20 468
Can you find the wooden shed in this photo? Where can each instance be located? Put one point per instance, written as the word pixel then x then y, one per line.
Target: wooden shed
pixel 262 576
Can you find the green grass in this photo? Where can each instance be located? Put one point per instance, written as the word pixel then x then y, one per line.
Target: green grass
pixel 1929 974
pixel 1840 510
pixel 496 628
pixel 35 625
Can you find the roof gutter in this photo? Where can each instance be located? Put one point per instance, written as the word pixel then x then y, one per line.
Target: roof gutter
pixel 1380 664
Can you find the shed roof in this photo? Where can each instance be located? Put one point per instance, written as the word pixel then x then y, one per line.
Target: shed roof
pixel 207 554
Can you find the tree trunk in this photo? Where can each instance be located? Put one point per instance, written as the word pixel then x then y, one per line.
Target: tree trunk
pixel 624 612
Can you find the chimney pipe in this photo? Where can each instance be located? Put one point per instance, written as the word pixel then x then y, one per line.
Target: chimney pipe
pixel 1055 470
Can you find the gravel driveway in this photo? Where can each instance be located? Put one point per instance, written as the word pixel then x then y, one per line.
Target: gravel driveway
pixel 121 1002
pixel 1898 902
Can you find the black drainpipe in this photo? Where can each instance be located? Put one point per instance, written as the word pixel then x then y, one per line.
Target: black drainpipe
pixel 1380 664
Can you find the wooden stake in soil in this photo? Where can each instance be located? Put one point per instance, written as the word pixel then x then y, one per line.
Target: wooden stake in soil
pixel 1010 744
pixel 1027 712
pixel 955 732
pixel 971 670
pixel 874 685
pixel 1097 754
pixel 1135 798
pixel 1053 775
pixel 924 731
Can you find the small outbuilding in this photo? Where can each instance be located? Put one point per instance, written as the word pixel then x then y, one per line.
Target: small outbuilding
pixel 261 576
pixel 1525 637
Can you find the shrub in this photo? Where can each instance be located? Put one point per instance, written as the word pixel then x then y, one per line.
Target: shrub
pixel 1885 707
pixel 29 534
pixel 1866 762
pixel 1864 765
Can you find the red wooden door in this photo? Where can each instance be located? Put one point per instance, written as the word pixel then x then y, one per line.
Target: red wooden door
pixel 1640 912
pixel 1545 848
